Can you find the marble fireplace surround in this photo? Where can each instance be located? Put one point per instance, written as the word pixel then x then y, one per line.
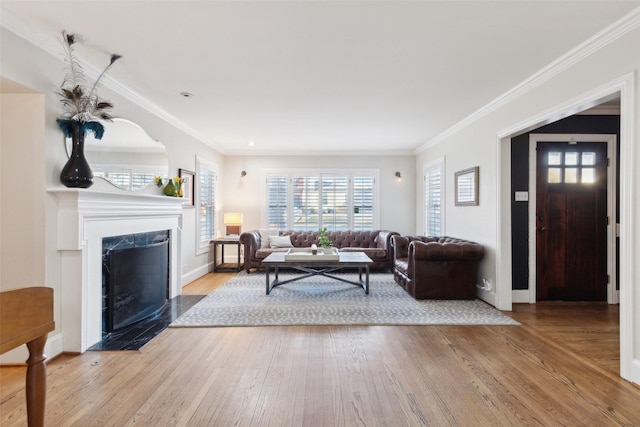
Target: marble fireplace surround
pixel 84 218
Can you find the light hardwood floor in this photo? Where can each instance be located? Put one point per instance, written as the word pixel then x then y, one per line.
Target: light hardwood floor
pixel 559 368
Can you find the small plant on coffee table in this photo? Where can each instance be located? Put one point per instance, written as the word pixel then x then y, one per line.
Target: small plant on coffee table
pixel 323 239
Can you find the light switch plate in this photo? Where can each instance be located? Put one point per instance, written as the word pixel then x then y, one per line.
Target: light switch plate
pixel 522 196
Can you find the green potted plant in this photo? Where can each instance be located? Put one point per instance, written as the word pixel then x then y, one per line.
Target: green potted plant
pixel 323 239
pixel 83 109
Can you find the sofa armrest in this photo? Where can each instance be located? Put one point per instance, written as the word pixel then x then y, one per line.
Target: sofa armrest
pixel 251 242
pixel 400 246
pixel 449 251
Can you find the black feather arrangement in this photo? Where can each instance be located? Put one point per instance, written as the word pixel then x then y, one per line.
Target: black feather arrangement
pixel 80 99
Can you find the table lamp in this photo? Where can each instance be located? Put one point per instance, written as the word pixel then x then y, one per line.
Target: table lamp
pixel 233 221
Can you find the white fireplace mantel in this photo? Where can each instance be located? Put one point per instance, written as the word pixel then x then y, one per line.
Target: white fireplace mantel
pixel 84 218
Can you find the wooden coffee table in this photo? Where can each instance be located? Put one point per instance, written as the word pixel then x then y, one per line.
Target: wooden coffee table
pixel 310 268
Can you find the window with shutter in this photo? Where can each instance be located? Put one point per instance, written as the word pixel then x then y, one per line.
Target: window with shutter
pixel 277 201
pixel 310 200
pixel 207 179
pixel 434 198
pixel 335 203
pixel 363 186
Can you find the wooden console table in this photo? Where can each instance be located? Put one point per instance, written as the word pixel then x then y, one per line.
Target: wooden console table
pixel 26 317
pixel 223 242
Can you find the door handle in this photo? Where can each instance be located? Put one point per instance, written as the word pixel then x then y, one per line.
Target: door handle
pixel 542 229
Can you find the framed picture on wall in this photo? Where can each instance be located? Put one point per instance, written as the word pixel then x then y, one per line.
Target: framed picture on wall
pixel 466 190
pixel 188 187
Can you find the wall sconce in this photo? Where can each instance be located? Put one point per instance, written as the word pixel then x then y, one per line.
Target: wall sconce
pixel 242 175
pixel 233 221
pixel 399 176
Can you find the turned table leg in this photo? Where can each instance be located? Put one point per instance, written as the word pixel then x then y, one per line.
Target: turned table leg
pixel 36 382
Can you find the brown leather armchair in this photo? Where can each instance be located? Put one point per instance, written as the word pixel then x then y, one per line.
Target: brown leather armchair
pixel 436 267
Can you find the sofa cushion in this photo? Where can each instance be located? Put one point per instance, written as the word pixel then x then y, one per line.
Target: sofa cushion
pixel 265 233
pixel 277 242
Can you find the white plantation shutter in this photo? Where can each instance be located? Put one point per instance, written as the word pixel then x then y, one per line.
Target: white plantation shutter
pixel 433 198
pixel 335 203
pixel 306 200
pixel 120 179
pixel 311 200
pixel 277 201
pixel 206 197
pixel 362 203
pixel 141 180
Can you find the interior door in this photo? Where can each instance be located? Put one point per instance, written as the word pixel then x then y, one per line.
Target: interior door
pixel 571 221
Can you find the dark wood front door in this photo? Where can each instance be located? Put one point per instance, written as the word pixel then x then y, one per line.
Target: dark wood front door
pixel 571 221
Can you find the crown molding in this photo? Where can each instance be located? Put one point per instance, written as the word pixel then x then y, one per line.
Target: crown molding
pixel 46 43
pixel 289 153
pixel 611 33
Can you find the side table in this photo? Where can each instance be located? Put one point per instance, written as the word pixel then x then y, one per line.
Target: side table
pixel 228 267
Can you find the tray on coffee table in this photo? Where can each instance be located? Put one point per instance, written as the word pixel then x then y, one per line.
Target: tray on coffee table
pixel 306 254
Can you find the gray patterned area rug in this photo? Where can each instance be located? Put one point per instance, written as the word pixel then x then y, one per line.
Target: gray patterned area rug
pixel 318 300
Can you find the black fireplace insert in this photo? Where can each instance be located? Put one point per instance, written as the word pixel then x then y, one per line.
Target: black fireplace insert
pixel 135 279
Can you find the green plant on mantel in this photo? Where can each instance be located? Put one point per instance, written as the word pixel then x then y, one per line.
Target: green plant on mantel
pixel 323 239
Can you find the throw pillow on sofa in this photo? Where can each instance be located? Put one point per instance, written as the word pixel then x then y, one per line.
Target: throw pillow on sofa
pixel 265 234
pixel 280 242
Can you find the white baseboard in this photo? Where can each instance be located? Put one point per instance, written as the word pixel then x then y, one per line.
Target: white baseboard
pixel 485 295
pixel 520 296
pixel 19 355
pixel 195 274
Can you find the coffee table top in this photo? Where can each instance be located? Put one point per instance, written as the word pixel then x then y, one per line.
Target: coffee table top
pixel 346 258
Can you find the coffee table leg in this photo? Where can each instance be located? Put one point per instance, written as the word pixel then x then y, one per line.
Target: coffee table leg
pixel 366 289
pixel 267 276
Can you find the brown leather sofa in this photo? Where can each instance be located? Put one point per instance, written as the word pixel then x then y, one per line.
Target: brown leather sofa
pixel 436 267
pixel 376 244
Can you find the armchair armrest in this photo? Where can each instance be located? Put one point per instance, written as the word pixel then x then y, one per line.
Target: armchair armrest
pixel 400 246
pixel 383 240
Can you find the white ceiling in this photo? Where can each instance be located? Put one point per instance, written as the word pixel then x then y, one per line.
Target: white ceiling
pixel 331 76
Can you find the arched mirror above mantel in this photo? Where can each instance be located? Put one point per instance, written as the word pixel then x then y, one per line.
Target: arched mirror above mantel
pixel 126 156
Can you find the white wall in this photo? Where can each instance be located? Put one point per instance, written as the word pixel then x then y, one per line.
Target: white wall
pixel 477 144
pixel 22 191
pixel 246 196
pixel 22 213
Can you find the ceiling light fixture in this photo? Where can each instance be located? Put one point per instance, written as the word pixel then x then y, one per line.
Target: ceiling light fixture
pixel 251 144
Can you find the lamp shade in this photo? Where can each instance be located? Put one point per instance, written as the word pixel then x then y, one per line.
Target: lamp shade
pixel 233 219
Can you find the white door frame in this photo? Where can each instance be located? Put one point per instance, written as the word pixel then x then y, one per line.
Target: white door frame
pixel 610 140
pixel 625 88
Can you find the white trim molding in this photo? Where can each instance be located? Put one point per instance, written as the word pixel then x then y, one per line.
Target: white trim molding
pixel 623 88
